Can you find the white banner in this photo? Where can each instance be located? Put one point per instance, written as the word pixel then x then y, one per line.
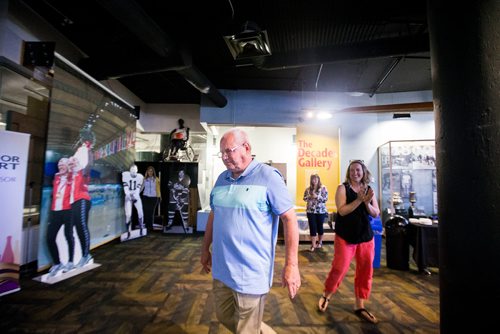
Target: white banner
pixel 14 147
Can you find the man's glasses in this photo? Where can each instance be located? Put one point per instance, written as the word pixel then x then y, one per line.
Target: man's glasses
pixel 229 151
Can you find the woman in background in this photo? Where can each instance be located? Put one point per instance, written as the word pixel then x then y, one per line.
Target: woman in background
pixel 355 200
pixel 151 196
pixel 316 196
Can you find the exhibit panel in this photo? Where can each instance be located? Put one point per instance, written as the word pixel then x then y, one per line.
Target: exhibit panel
pixel 179 194
pixel 317 157
pixel 14 148
pixel 24 108
pixel 317 153
pixel 407 177
pixel 90 141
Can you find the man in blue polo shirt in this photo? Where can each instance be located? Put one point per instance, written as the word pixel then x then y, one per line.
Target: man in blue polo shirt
pixel 247 201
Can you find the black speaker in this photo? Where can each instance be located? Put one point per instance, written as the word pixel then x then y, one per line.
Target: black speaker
pixel 137 111
pixel 39 54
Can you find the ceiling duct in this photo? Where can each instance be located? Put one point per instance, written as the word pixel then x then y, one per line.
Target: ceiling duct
pixel 131 14
pixel 250 43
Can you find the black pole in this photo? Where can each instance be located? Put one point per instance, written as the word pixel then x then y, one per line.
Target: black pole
pixel 465 53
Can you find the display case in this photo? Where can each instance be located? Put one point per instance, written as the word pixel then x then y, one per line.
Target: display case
pixel 407 177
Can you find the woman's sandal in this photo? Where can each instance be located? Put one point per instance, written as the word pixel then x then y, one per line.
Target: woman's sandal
pixel 365 315
pixel 323 303
pixel 311 249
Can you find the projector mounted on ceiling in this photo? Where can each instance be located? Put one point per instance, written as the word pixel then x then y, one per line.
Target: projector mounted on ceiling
pixel 250 43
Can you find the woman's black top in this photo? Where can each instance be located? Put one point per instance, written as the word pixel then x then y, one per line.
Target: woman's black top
pixel 355 227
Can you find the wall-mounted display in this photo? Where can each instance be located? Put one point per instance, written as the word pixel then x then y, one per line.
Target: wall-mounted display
pixel 407 177
pixel 95 131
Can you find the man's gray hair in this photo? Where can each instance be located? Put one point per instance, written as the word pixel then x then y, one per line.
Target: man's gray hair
pixel 240 136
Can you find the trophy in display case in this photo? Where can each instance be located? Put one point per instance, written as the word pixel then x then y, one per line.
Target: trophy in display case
pixel 396 200
pixel 413 199
pixel 397 203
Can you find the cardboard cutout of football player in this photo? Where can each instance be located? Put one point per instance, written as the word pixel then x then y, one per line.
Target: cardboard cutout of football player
pixel 132 186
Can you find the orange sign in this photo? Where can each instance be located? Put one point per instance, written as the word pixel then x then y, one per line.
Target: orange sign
pixel 317 153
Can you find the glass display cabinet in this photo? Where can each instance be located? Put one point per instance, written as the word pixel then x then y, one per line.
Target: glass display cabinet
pixel 407 178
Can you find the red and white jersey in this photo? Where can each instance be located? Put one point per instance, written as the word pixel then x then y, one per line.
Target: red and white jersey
pixel 78 181
pixel 79 186
pixel 132 185
pixel 180 134
pixel 61 193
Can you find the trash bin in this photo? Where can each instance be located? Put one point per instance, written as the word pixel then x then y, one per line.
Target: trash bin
pixel 397 247
pixel 377 228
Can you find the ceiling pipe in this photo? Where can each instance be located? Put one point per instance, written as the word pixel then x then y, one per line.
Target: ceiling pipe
pixel 317 77
pixel 393 65
pixel 133 17
pixel 200 82
pixel 389 47
pixel 106 67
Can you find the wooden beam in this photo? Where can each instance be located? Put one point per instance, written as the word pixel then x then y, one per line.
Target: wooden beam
pixel 414 107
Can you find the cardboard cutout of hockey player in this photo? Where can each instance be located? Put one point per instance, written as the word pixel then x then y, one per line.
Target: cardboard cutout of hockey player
pixel 132 186
pixel 179 201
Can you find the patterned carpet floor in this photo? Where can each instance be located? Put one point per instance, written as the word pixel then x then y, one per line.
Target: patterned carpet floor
pixel 155 284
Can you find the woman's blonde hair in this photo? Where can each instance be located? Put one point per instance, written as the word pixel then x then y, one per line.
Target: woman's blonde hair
pixel 151 168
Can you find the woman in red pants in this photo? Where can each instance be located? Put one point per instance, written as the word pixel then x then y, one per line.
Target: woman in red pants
pixel 355 200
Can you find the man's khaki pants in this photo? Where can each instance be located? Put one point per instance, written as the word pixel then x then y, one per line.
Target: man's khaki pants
pixel 240 313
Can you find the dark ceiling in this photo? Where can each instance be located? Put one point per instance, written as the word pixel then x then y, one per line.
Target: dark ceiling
pixel 156 48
